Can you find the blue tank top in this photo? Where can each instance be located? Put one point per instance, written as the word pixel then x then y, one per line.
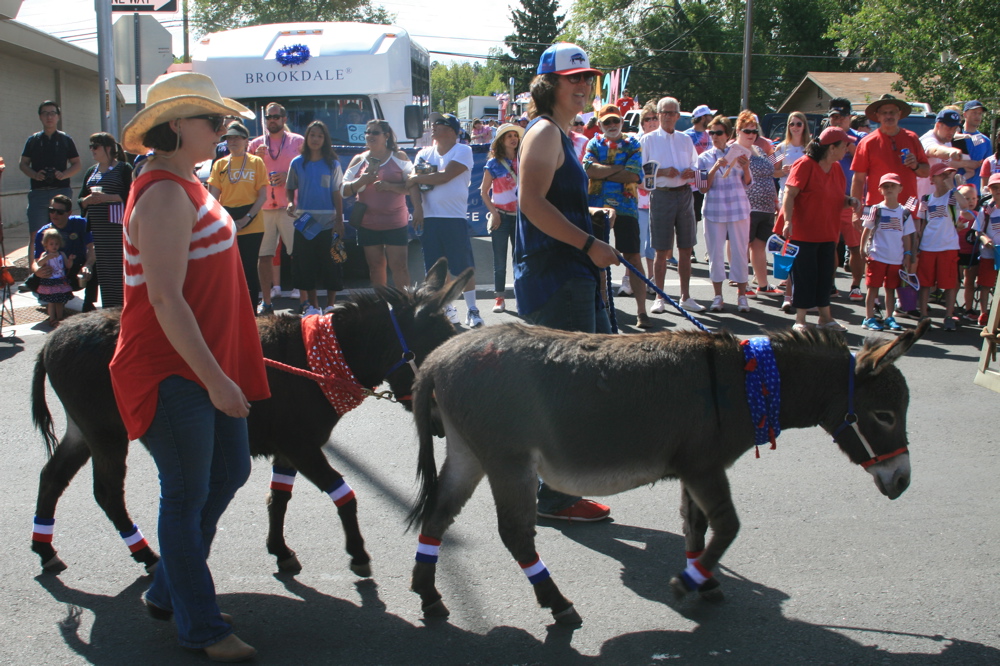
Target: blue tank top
pixel 542 264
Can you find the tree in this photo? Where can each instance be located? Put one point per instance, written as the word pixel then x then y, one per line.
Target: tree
pixel 693 50
pixel 216 15
pixel 942 53
pixel 452 82
pixel 536 26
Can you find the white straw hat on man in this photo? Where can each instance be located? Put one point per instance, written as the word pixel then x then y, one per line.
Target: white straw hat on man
pixel 178 95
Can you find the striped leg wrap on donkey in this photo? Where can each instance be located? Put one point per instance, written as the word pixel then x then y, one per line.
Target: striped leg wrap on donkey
pixel 696 577
pixel 41 543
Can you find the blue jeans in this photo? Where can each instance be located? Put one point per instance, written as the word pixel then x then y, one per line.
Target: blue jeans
pixel 501 237
pixel 38 208
pixel 572 308
pixel 203 458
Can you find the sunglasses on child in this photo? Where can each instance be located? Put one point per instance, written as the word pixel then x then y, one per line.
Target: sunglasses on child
pixel 58 211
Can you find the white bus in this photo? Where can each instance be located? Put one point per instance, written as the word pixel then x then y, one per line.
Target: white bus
pixel 344 74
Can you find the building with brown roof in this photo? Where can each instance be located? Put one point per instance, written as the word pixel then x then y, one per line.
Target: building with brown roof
pixel 814 92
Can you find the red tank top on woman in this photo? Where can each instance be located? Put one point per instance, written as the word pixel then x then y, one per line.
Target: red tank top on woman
pixel 215 289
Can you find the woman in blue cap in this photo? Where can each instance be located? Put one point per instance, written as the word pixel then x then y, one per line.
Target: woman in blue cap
pixel 557 260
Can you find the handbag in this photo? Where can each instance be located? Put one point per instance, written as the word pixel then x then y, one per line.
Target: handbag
pixel 32 283
pixel 357 214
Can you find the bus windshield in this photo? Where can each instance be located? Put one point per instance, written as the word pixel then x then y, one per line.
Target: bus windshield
pixel 344 115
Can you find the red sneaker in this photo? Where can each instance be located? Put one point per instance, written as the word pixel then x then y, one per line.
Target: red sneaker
pixel 982 319
pixel 584 511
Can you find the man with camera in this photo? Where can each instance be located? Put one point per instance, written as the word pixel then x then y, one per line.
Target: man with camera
pixel 49 159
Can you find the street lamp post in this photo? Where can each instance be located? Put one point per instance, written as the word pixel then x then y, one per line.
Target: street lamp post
pixel 747 46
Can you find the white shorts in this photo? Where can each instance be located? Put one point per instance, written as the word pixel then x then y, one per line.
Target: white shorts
pixel 276 222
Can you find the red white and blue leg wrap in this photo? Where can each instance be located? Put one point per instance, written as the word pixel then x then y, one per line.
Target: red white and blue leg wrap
pixel 695 575
pixel 692 556
pixel 340 493
pixel 535 570
pixel 43 529
pixel 428 549
pixel 282 478
pixel 133 539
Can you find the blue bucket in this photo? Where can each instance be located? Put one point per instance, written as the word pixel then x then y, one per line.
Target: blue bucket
pixel 782 264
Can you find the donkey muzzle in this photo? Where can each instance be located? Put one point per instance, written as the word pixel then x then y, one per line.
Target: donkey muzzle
pixel 892 476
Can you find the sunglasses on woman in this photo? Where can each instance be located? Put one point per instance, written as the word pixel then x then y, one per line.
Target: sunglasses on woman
pixel 746 130
pixel 216 120
pixel 649 119
pixel 579 123
pixel 576 78
pixel 795 124
pixel 373 133
pixel 716 132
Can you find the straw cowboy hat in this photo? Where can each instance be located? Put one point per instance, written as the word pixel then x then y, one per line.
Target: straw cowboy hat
pixel 510 127
pixel 178 95
pixel 871 111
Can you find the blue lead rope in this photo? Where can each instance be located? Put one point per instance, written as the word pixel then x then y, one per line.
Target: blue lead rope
pixel 659 293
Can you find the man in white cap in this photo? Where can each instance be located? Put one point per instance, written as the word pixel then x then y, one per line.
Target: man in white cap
pixel 938 143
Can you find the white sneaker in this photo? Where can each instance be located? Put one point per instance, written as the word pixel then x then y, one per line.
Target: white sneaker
pixel 473 320
pixel 716 305
pixel 295 294
pixel 311 310
pixel 275 292
pixel 451 312
pixel 742 304
pixel 659 307
pixel 626 288
pixel 692 305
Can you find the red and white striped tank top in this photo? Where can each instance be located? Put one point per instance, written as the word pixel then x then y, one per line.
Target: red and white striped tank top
pixel 215 289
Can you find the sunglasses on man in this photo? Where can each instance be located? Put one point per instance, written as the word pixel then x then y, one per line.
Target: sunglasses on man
pixel 274 116
pixel 611 121
pixel 58 211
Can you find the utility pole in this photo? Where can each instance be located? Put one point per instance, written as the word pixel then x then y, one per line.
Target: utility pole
pixel 187 49
pixel 747 46
pixel 106 68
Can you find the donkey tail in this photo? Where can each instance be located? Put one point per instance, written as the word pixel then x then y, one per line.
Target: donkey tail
pixel 39 409
pixel 423 414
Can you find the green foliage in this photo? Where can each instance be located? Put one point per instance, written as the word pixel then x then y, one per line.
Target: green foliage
pixel 942 52
pixel 536 26
pixel 216 15
pixel 693 50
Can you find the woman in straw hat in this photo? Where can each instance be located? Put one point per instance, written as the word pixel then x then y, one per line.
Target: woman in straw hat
pixel 188 360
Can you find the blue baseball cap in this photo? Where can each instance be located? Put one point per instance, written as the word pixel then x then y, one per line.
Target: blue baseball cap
pixel 949 117
pixel 448 119
pixel 973 104
pixel 565 58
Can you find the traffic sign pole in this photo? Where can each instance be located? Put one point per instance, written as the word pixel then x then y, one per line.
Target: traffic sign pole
pixel 106 68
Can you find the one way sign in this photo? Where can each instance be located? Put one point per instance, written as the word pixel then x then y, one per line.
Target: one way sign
pixel 164 6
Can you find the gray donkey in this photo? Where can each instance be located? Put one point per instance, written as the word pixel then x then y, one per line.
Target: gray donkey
pixel 719 396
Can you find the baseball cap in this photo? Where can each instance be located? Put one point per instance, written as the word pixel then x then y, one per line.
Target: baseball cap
pixel 940 168
pixel 833 135
pixel 972 104
pixel 565 58
pixel 608 111
pixel 839 111
pixel 237 129
pixel 890 178
pixel 949 117
pixel 994 179
pixel 700 110
pixel 448 119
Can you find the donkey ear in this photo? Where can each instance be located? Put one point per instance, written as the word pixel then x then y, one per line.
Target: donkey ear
pixel 436 300
pixel 436 277
pixel 874 359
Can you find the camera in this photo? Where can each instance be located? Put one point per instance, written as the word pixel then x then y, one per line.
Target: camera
pixel 422 168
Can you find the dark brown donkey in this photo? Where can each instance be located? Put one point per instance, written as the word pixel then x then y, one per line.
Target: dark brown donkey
pixel 76 358
pixel 564 393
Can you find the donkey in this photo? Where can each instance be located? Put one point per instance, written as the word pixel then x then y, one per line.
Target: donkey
pixel 76 357
pixel 565 389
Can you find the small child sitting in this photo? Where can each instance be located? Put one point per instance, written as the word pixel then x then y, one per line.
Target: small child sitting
pixel 988 228
pixel 937 259
pixel 886 243
pixel 54 290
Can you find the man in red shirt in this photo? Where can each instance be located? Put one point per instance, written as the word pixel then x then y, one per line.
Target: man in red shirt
pixel 883 151
pixel 626 102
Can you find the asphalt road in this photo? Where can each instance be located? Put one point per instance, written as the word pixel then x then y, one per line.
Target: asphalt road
pixel 825 570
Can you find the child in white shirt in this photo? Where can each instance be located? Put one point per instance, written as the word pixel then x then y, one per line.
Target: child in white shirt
pixel 887 245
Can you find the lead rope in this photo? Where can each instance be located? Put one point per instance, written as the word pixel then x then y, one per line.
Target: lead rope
pixel 637 273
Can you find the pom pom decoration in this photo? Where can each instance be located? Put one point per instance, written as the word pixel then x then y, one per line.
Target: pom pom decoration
pixel 296 54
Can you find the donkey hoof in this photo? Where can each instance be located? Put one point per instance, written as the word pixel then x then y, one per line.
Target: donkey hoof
pixel 711 591
pixel 678 587
pixel 362 570
pixel 436 609
pixel 290 564
pixel 54 565
pixel 568 616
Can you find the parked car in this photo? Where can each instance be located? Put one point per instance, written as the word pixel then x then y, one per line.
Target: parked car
pixel 772 126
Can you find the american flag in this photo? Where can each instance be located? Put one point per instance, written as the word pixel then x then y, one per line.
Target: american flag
pixel 701 179
pixel 911 205
pixel 935 212
pixel 776 157
pixel 870 215
pixel 977 138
